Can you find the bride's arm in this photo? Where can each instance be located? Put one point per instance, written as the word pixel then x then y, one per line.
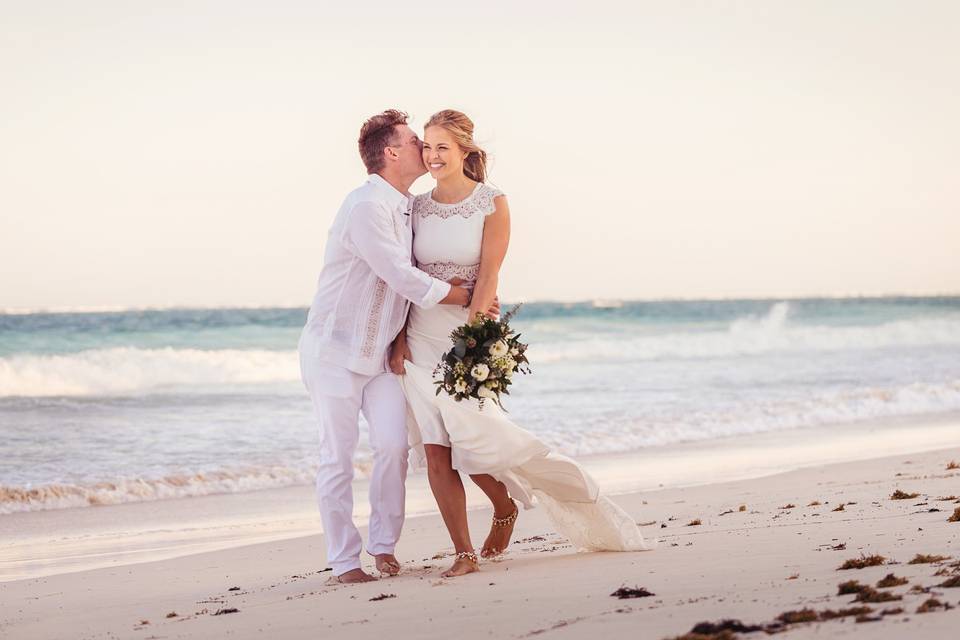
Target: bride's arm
pixel 496 237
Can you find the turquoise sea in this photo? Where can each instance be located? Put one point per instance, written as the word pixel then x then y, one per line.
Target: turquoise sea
pixel 137 405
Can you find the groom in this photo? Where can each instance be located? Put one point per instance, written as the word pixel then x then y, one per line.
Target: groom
pixel 365 288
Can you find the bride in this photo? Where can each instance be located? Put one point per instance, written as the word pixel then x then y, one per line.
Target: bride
pixel 461 231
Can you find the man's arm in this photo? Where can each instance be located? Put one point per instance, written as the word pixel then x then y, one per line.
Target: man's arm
pixel 369 234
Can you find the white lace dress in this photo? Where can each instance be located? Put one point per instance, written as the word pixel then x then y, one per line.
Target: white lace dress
pixel 447 242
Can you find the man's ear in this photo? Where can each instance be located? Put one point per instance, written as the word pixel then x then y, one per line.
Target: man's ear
pixel 390 154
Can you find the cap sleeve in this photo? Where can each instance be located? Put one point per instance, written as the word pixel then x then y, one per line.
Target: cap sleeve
pixel 485 199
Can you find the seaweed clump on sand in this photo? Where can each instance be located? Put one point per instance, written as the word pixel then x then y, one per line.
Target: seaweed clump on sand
pixel 869 594
pixel 723 630
pixel 931 605
pixel 830 614
pixel 891 580
pixel 923 558
pixel 953 465
pixel 726 629
pixel 902 495
pixel 840 508
pixel 723 635
pixel 950 583
pixel 793 617
pixel 862 562
pixel 383 596
pixel 694 523
pixel 631 592
pixel 849 587
pixel 956 516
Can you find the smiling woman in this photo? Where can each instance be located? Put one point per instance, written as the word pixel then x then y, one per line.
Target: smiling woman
pixel 449 148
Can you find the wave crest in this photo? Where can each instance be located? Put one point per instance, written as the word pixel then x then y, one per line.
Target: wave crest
pixel 754 335
pixel 126 370
pixel 64 496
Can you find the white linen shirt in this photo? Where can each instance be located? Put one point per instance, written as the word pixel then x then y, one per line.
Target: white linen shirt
pixel 367 282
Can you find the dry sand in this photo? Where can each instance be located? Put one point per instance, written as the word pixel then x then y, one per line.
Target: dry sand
pixel 750 565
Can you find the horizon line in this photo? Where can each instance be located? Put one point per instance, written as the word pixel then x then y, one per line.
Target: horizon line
pixel 598 302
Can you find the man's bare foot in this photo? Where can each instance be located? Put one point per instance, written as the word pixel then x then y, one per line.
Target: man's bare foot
pixel 387 564
pixel 353 576
pixel 465 563
pixel 500 532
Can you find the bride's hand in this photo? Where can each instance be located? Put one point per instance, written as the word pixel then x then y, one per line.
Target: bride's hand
pixel 494 311
pixel 399 351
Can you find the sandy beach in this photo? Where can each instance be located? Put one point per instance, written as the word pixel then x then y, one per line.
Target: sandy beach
pixel 750 549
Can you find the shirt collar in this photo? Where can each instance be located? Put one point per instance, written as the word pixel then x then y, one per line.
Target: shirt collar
pixel 393 197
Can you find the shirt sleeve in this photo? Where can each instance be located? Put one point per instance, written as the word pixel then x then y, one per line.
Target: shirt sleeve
pixel 368 234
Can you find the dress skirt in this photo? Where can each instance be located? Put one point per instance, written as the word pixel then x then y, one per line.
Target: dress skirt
pixel 487 441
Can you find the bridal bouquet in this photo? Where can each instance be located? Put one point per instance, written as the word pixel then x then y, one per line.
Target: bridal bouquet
pixel 485 355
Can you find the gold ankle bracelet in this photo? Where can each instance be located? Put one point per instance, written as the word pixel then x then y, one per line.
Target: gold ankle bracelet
pixel 468 555
pixel 510 519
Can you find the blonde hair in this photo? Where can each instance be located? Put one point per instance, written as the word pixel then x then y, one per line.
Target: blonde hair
pixel 461 128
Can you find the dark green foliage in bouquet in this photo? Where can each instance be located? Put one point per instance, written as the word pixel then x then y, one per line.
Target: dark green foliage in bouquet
pixel 486 354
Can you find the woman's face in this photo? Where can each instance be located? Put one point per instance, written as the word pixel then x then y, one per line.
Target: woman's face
pixel 441 153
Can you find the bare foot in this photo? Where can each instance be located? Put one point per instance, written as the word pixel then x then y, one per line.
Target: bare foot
pixel 500 532
pixel 387 564
pixel 464 564
pixel 352 577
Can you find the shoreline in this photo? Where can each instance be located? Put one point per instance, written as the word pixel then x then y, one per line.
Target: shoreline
pixel 779 553
pixel 131 533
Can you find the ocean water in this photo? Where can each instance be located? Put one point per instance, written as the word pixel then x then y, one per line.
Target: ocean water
pixel 125 406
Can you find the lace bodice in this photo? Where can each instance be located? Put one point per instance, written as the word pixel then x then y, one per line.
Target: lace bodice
pixel 447 238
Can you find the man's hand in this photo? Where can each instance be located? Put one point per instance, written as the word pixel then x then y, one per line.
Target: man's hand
pixel 399 351
pixel 458 295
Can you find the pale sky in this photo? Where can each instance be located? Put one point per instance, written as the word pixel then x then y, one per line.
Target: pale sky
pixel 195 154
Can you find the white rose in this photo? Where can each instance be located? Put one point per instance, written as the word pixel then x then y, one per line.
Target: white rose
pixel 508 374
pixel 480 372
pixel 460 386
pixel 499 349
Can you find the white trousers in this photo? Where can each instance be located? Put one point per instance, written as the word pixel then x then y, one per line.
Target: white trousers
pixel 339 396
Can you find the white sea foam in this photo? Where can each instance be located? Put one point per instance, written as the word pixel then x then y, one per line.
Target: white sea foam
pixel 128 370
pixel 100 372
pixel 64 496
pixel 753 335
pixel 708 423
pixel 631 433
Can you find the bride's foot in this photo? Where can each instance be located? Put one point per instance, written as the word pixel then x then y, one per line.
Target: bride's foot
pixel 465 563
pixel 500 532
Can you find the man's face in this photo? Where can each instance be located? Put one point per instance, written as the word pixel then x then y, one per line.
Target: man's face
pixel 410 150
